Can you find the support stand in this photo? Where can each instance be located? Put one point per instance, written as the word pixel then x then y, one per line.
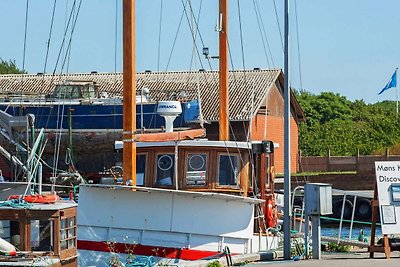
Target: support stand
pixel 385 247
pixel 316 236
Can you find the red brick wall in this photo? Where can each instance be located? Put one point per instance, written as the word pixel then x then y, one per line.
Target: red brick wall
pixel 275 133
pixel 275 129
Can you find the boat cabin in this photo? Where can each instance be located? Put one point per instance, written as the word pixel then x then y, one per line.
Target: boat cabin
pixel 39 232
pixel 75 90
pixel 200 165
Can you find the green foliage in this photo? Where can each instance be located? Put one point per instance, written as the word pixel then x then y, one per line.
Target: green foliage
pixel 334 247
pixel 343 127
pixel 214 264
pixel 9 67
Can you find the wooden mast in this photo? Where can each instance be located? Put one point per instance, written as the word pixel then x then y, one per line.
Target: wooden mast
pixel 223 72
pixel 129 83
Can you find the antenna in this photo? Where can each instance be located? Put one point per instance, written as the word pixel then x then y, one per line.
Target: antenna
pixel 169 110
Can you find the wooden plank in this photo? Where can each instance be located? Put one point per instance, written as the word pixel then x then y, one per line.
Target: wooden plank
pixel 244 175
pixel 172 136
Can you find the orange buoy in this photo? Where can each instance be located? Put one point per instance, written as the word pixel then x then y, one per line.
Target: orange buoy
pixel 44 199
pixel 271 213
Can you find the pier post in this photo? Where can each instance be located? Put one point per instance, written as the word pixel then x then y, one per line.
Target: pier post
pixel 316 237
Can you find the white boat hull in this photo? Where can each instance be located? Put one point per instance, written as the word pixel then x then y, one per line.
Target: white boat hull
pixel 168 224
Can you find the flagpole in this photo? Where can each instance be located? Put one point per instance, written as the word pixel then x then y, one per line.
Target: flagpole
pixel 397 100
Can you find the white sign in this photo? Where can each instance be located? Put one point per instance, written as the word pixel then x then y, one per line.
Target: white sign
pixel 388 183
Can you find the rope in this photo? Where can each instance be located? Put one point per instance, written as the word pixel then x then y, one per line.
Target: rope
pixel 16 203
pixel 142 261
pixel 344 220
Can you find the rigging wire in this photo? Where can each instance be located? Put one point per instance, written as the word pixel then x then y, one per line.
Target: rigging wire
pixel 62 67
pixel 62 107
pixel 25 34
pixel 159 36
pixel 279 26
pixel 71 35
pixel 241 39
pixel 298 46
pixel 64 38
pixel 68 52
pixel 195 37
pixel 175 39
pixel 263 34
pixel 199 34
pixel 50 33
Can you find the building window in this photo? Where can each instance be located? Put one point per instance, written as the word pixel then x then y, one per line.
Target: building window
pixel 196 170
pixel 165 169
pixel 228 171
pixel 140 169
pixel 68 233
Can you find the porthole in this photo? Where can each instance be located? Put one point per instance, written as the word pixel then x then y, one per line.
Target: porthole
pixel 165 162
pixel 196 162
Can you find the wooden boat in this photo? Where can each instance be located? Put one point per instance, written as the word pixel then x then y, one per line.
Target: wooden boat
pixel 43 234
pixel 179 200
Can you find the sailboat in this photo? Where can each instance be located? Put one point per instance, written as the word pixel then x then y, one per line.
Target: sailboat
pixel 183 197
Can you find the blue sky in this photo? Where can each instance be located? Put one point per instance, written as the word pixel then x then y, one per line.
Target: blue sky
pixel 347 47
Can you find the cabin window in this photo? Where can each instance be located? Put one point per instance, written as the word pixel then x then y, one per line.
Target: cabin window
pixel 88 91
pixel 165 169
pixel 140 169
pixel 75 93
pixel 228 171
pixel 68 233
pixel 196 170
pixel 41 237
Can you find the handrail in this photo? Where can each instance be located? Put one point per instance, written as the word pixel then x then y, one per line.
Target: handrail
pixel 299 211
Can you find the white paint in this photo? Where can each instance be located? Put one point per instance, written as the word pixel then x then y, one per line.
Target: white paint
pixel 387 175
pixel 166 218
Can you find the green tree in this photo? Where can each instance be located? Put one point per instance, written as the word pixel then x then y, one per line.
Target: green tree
pixel 9 67
pixel 343 126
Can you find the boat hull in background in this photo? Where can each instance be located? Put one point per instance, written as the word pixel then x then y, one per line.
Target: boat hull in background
pixel 96 116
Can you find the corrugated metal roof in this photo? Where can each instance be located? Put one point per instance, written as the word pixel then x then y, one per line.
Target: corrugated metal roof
pixel 165 86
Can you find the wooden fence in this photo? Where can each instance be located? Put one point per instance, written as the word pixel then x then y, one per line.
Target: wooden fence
pixel 330 163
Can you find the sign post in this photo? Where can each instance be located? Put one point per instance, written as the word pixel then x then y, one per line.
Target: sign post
pixel 387 198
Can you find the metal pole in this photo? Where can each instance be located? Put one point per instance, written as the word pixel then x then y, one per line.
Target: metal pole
pixel 397 101
pixel 316 237
pixel 287 211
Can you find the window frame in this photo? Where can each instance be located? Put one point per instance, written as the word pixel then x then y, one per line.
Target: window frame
pixel 145 178
pixel 238 178
pixel 155 184
pixel 207 169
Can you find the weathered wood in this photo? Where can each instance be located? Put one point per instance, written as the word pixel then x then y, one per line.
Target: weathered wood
pixel 171 136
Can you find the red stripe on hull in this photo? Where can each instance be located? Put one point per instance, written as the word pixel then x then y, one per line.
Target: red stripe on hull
pixel 137 249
